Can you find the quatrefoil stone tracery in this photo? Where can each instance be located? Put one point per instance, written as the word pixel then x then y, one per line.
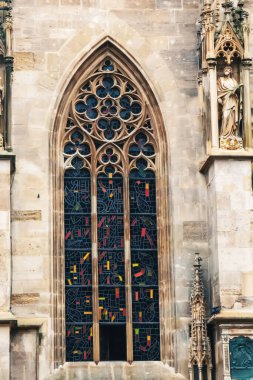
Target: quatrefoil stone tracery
pixel 107 105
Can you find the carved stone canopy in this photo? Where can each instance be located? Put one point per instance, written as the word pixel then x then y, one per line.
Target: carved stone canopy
pixel 228 45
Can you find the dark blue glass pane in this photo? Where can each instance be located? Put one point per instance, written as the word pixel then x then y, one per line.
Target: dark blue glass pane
pixel 92 113
pixel 77 137
pixel 104 111
pixel 112 304
pixel 108 82
pixel 78 262
pixel 88 127
pixel 78 304
pixel 144 264
pixel 114 92
pixel 136 108
pixel 70 123
pixel 110 196
pixel 196 372
pixel 144 267
pixel 148 150
pixel 143 195
pixel 143 231
pixel 101 92
pixel 113 110
pixel 125 114
pixel 91 101
pixel 72 173
pixel 111 267
pixel 77 231
pixel 125 102
pixel 145 304
pixel 146 341
pixel 77 194
pixel 109 134
pixel 79 342
pixel 110 231
pixel 77 163
pixel 141 172
pixel 115 124
pixel 69 148
pixel 141 139
pixel 80 107
pixel 108 66
pixel 78 267
pixel 103 124
pixel 84 149
pixel 111 276
pixel 108 103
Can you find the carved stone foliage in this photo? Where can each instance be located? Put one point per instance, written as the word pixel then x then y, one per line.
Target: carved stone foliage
pixel 199 346
pixel 241 357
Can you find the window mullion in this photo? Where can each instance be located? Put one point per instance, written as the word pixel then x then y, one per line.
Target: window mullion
pixel 96 353
pixel 129 328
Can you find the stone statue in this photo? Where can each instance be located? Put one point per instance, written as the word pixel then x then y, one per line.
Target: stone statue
pixel 228 97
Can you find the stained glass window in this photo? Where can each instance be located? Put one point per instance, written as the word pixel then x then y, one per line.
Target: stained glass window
pixel 110 219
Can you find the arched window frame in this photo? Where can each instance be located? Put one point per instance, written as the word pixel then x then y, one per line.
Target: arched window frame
pixel 109 48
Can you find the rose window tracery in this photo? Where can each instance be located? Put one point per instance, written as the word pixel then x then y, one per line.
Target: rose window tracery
pixel 105 102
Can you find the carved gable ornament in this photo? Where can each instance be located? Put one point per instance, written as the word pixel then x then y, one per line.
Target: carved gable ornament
pixel 228 45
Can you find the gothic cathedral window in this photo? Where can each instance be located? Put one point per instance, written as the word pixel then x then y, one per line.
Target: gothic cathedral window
pixel 110 219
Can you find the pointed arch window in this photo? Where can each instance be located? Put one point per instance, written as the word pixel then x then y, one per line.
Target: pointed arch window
pixel 110 220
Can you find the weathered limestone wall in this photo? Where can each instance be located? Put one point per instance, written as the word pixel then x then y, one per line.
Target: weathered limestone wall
pixel 24 354
pixel 249 8
pixel 50 37
pixel 230 215
pixel 5 234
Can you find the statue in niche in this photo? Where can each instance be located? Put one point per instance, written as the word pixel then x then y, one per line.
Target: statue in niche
pixel 228 98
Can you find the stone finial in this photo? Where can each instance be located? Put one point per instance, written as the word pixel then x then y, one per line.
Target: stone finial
pixel 227 5
pixel 199 347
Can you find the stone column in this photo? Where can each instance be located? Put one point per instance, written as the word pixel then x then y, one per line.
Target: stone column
pixel 6 318
pixel 225 352
pixel 213 103
pixel 5 351
pixel 246 64
pixel 230 236
pixel 230 240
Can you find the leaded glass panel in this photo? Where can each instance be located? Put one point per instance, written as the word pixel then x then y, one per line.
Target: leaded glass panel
pixel 109 198
pixel 78 267
pixel 144 266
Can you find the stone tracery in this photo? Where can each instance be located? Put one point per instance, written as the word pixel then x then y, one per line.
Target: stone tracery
pixel 109 132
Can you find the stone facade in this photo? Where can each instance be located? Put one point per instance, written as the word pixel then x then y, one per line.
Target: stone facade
pixel 209 196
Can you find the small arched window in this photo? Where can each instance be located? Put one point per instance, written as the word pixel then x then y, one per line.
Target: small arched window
pixel 111 234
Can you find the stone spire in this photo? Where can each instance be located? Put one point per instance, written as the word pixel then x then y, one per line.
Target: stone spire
pixel 199 347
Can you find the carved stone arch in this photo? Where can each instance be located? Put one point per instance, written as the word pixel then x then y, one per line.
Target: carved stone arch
pixel 109 48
